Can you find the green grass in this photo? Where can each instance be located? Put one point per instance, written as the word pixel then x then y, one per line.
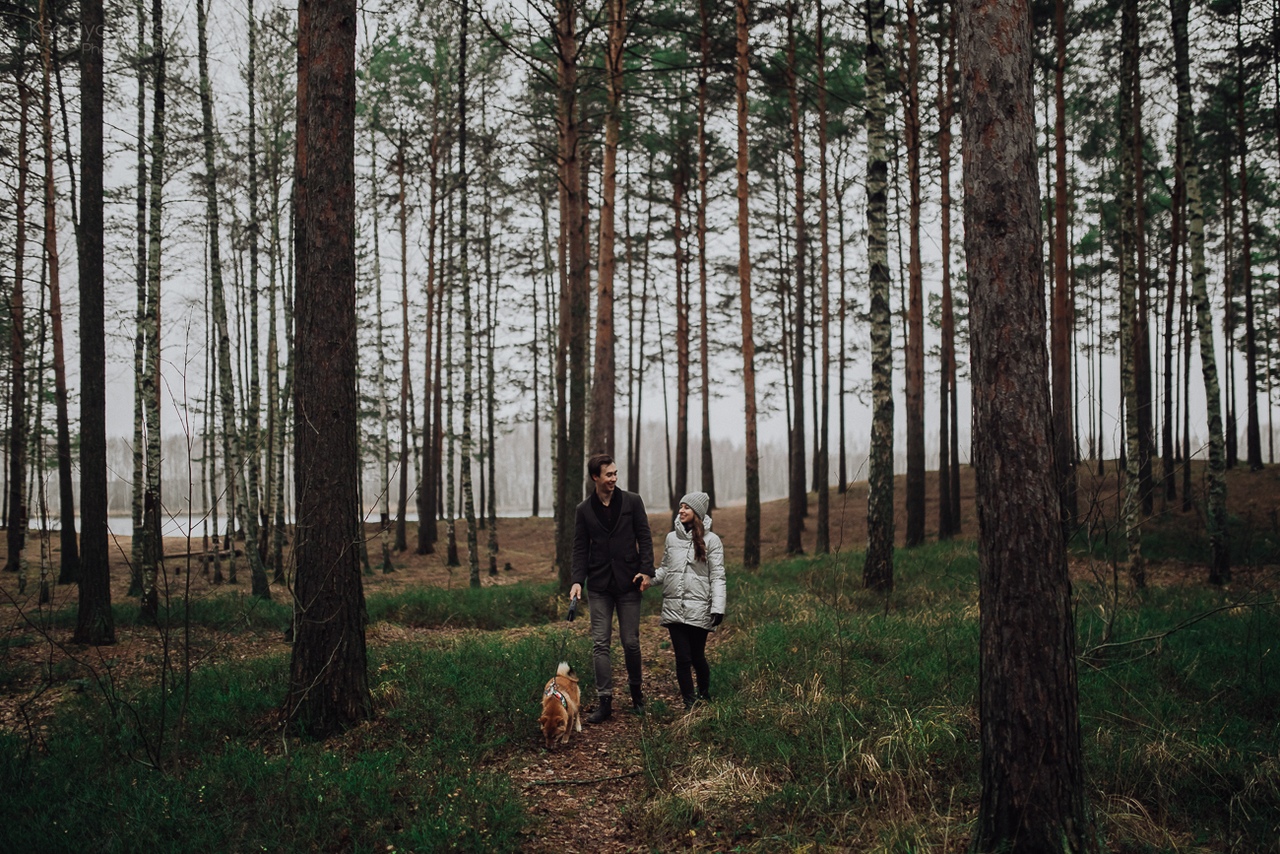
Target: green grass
pixel 420 778
pixel 849 719
pixel 841 717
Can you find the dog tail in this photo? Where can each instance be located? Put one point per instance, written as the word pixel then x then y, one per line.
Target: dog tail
pixel 564 669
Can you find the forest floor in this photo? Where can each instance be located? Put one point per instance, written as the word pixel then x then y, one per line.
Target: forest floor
pixel 579 795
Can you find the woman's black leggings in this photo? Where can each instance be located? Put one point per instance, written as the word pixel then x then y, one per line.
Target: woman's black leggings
pixel 689 643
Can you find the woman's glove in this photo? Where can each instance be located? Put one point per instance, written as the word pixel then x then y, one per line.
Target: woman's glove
pixel 716 619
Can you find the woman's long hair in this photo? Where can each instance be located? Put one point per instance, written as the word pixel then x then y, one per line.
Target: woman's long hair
pixel 699 544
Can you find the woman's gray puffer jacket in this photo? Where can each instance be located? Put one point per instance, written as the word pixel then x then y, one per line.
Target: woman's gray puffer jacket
pixel 692 590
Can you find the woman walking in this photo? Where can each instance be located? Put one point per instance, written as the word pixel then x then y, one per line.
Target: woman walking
pixel 693 593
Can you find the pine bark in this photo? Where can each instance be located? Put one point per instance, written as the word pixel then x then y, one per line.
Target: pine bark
pixel 822 451
pixel 1253 430
pixel 1130 340
pixel 603 382
pixel 948 520
pixel 1063 316
pixel 468 322
pixel 427 532
pixel 915 294
pixel 1216 503
pixel 751 463
pixel 877 571
pixel 704 71
pixel 328 680
pixel 1032 772
pixel 69 568
pixel 153 545
pixel 16 523
pixel 797 503
pixel 95 623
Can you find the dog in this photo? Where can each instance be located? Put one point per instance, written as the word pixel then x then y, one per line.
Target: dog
pixel 560 706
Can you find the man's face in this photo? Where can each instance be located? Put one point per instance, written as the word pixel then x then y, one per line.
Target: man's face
pixel 607 480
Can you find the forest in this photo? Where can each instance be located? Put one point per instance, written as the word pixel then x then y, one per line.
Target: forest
pixel 963 314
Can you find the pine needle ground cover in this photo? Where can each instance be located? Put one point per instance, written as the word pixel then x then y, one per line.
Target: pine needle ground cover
pixel 839 717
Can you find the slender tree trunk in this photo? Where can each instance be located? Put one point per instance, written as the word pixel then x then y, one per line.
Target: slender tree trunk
pixel 1253 430
pixel 915 295
pixel 842 479
pixel 426 489
pixel 1063 316
pixel 95 624
pixel 797 504
pixel 139 544
pixel 1229 310
pixel 947 523
pixel 1176 206
pixel 1216 505
pixel 151 498
pixel 751 536
pixel 603 383
pixel 69 569
pixel 468 334
pixel 406 386
pixel 328 679
pixel 1130 340
pixel 877 571
pixel 1033 790
pixel 680 180
pixel 238 461
pixel 383 452
pixel 822 482
pixel 16 522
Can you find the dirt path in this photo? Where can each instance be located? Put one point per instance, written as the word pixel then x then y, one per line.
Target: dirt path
pixel 583 796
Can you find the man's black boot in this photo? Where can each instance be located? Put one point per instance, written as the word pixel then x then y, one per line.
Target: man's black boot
pixel 637 699
pixel 604 710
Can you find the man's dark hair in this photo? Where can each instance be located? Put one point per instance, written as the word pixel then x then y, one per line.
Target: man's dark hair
pixel 597 462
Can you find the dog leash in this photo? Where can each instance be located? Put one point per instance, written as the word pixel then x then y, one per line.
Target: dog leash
pixel 569 618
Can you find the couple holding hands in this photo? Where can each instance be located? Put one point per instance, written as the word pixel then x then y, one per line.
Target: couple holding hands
pixel 613 554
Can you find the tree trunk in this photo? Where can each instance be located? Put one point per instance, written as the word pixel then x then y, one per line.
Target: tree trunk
pixel 877 571
pixel 1216 505
pixel 915 295
pixel 138 546
pixel 69 569
pixel 383 451
pixel 603 383
pixel 1063 316
pixel 1032 772
pixel 948 523
pixel 240 452
pixel 680 181
pixel 426 489
pixel 468 323
pixel 822 451
pixel 16 523
pixel 1253 431
pixel 751 536
pixel 797 504
pixel 95 623
pixel 1130 339
pixel 406 386
pixel 328 679
pixel 153 550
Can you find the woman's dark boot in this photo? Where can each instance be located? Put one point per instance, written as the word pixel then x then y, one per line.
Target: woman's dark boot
pixel 689 700
pixel 637 699
pixel 604 710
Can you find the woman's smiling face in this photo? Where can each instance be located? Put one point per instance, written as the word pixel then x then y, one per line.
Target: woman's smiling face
pixel 686 514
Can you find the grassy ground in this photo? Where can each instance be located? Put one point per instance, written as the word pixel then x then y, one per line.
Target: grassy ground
pixel 841 718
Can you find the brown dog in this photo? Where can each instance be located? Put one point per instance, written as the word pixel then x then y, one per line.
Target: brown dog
pixel 560 706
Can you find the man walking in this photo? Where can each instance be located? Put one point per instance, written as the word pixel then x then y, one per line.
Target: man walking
pixel 612 548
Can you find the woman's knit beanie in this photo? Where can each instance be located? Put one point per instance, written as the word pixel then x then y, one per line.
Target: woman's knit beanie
pixel 699 503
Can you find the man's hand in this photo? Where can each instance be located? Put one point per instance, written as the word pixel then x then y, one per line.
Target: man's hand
pixel 643 580
pixel 575 591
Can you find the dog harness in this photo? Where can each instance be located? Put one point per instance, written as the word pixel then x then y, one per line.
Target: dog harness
pixel 552 691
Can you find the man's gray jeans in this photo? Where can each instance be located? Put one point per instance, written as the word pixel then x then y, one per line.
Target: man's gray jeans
pixel 603 606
